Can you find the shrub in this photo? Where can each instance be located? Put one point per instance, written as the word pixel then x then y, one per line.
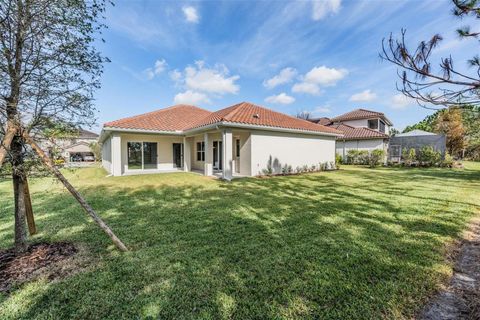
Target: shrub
pixel 448 161
pixel 428 156
pixel 357 157
pixel 332 165
pixel 374 157
pixel 410 157
pixel 338 159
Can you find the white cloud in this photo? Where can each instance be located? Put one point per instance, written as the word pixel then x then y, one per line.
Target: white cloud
pixel 363 96
pixel 325 76
pixel 305 87
pixel 212 80
pixel 321 8
pixel 191 14
pixel 175 75
pixel 201 83
pixel 158 68
pixel 285 76
pixel 319 76
pixel 282 98
pixel 399 102
pixel 191 97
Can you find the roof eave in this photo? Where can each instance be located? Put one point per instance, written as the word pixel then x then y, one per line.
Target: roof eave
pixel 363 138
pixel 260 127
pixel 106 131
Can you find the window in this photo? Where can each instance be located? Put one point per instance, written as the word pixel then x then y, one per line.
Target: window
pixel 382 126
pixel 373 124
pixel 237 148
pixel 142 155
pixel 201 151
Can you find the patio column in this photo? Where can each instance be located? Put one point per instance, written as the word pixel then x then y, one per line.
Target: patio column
pixel 187 154
pixel 208 171
pixel 116 154
pixel 227 138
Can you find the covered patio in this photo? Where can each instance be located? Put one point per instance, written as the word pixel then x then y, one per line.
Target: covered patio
pixel 223 153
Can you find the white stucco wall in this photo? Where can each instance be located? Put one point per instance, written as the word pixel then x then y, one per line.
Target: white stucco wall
pixel 369 145
pixel 357 123
pixel 291 149
pixel 364 123
pixel 107 155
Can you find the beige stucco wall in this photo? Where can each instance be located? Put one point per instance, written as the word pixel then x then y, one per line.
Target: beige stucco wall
pixel 288 148
pixel 245 152
pixel 107 155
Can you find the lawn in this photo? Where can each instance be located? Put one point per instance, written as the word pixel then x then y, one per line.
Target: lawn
pixel 355 243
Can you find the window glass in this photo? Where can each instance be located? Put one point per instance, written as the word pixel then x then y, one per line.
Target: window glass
pixel 134 151
pixel 150 155
pixel 373 124
pixel 200 151
pixel 382 126
pixel 237 147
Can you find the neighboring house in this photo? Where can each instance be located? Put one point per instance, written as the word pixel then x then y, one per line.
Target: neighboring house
pixel 362 130
pixel 415 139
pixel 244 140
pixel 75 148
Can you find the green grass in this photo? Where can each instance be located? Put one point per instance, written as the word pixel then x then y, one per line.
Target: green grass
pixel 355 243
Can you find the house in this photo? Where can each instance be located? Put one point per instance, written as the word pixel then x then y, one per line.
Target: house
pixel 72 148
pixel 362 130
pixel 241 140
pixel 415 139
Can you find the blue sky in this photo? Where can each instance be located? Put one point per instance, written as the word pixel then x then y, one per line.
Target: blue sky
pixel 290 56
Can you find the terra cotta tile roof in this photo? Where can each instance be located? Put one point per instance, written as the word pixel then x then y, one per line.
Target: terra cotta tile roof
pixel 186 117
pixel 175 118
pixel 251 114
pixel 324 121
pixel 360 114
pixel 358 133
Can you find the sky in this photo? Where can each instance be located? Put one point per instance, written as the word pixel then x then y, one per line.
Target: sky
pixel 290 56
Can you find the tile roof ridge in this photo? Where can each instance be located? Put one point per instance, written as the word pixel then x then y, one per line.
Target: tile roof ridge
pixel 377 112
pixel 236 109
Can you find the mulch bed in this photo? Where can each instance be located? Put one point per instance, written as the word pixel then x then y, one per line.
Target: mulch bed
pixel 26 266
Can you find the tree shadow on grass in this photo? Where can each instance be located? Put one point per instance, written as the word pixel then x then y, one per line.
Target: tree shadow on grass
pixel 312 246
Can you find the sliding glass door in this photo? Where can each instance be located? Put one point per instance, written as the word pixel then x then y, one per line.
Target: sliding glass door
pixel 149 155
pixel 134 155
pixel 142 155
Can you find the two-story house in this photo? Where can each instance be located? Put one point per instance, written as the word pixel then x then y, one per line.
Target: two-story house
pixel 362 130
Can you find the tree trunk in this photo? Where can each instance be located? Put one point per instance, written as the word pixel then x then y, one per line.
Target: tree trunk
pixel 7 140
pixel 18 177
pixel 49 163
